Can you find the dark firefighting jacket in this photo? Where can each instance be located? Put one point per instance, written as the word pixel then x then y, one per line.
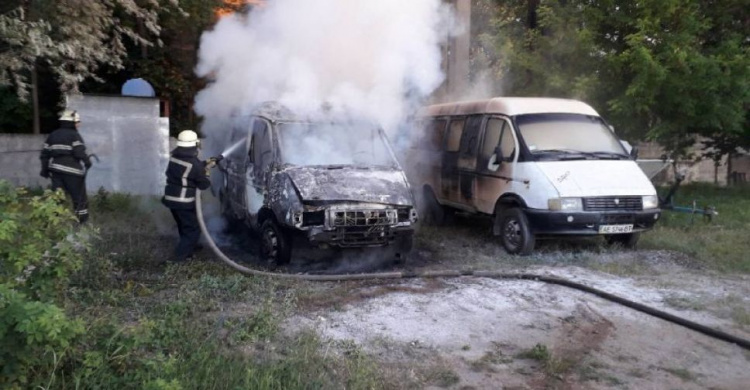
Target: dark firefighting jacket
pixel 185 173
pixel 64 151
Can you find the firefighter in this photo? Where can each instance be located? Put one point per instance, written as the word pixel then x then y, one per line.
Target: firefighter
pixel 185 173
pixel 64 160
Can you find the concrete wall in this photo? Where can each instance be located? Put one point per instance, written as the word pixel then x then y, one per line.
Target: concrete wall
pixel 703 171
pixel 130 139
pixel 19 159
pixel 126 133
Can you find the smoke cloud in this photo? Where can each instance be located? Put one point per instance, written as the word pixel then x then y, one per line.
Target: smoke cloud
pixel 375 59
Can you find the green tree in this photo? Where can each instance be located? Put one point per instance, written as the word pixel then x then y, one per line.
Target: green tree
pixel 667 70
pixel 74 38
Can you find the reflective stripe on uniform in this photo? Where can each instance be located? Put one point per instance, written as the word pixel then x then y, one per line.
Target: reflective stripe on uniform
pixel 180 200
pixel 46 146
pixel 60 147
pixel 66 169
pixel 188 167
pixel 77 143
pixel 82 212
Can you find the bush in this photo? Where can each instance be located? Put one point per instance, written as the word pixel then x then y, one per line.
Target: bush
pixel 38 253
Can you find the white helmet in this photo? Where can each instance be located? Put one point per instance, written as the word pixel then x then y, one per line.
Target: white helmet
pixel 70 116
pixel 187 139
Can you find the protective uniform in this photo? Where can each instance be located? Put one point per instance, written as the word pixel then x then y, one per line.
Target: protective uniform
pixel 64 160
pixel 185 173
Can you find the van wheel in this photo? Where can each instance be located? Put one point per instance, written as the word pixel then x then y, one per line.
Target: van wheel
pixel 275 246
pixel 627 241
pixel 435 213
pixel 404 246
pixel 515 232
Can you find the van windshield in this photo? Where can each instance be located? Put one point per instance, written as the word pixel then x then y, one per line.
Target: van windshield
pixel 326 144
pixel 569 137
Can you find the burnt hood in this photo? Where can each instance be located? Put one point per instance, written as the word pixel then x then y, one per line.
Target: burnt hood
pixel 387 186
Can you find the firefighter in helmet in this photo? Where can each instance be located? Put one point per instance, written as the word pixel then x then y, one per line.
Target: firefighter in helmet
pixel 185 173
pixel 64 160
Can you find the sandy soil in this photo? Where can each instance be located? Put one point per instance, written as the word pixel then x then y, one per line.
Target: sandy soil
pixel 478 331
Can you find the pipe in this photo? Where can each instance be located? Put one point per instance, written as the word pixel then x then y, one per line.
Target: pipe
pixel 711 332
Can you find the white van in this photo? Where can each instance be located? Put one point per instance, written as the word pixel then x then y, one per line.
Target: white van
pixel 539 166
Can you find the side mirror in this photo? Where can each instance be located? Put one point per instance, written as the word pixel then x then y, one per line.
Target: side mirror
pixel 634 153
pixel 499 155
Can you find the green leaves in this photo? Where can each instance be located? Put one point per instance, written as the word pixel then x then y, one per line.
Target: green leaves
pixel 667 70
pixel 38 253
pixel 75 40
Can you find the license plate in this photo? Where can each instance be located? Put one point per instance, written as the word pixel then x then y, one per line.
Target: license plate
pixel 614 229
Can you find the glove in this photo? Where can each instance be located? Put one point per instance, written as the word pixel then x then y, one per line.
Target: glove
pixel 208 171
pixel 210 163
pixel 44 173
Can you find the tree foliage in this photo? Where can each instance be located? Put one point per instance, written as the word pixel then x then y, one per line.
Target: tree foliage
pixel 668 70
pixel 74 37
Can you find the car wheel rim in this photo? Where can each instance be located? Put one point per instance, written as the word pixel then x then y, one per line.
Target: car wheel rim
pixel 270 244
pixel 512 233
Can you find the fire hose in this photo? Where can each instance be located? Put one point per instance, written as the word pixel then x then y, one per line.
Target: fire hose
pixel 708 331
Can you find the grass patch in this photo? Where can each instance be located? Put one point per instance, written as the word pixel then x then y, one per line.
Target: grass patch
pixel 539 353
pixel 189 326
pixel 682 373
pixel 721 244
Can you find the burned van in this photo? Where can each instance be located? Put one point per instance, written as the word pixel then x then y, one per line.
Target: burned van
pixel 539 167
pixel 334 183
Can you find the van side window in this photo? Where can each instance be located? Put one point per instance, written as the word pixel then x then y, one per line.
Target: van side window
pixel 470 137
pixel 261 145
pixel 498 133
pixel 435 134
pixel 507 144
pixel 453 143
pixel 492 137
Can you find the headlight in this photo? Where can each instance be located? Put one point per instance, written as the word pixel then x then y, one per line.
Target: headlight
pixel 565 204
pixel 650 202
pixel 392 216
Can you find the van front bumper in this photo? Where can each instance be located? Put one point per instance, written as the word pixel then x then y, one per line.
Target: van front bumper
pixel 353 237
pixel 587 222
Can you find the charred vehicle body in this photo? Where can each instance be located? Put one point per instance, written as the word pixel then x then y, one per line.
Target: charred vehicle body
pixel 333 183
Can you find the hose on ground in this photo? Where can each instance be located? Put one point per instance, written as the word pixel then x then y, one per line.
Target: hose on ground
pixel 708 331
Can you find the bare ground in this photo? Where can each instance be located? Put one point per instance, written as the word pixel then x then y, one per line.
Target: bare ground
pixel 475 333
pixel 478 333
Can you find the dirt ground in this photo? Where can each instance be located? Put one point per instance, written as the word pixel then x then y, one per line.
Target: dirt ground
pixel 477 333
pixel 474 333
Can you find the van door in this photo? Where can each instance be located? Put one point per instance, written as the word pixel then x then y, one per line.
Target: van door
pixel 450 176
pixel 236 159
pixel 258 167
pixel 467 159
pixel 494 175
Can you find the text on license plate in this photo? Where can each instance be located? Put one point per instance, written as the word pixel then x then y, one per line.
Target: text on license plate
pixel 613 229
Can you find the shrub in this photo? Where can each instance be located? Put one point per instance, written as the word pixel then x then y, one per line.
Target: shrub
pixel 38 253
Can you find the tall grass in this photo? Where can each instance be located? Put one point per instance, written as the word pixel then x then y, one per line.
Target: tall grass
pixel 722 244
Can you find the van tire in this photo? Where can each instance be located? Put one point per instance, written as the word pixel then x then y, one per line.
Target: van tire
pixel 515 232
pixel 403 248
pixel 435 213
pixel 627 241
pixel 275 244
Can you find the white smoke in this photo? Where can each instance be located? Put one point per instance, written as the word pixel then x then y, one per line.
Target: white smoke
pixel 377 59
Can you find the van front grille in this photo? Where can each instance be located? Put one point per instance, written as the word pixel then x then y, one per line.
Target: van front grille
pixel 360 218
pixel 613 203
